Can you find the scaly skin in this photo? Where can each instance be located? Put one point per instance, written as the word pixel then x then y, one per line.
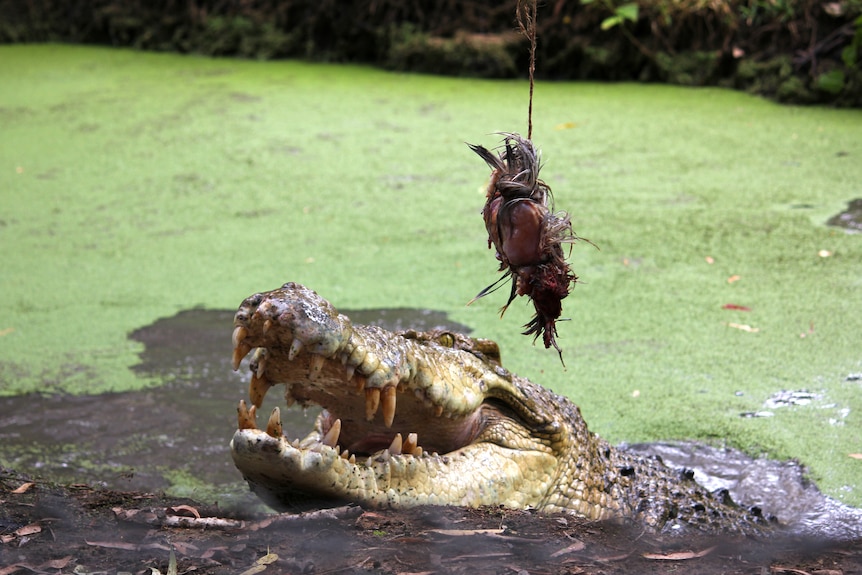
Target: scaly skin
pixel 433 418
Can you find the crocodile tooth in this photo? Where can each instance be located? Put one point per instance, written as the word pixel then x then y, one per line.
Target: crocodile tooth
pixel 438 411
pixel 295 443
pixel 410 444
pixel 388 401
pixel 345 454
pixel 352 459
pixel 316 365
pixel 273 426
pixel 331 438
pixel 245 416
pixel 349 371
pixel 395 446
pixel 239 352
pixel 372 402
pixel 258 361
pixel 418 451
pixel 266 326
pixel 257 388
pixel 239 334
pixel 295 348
pixel 360 382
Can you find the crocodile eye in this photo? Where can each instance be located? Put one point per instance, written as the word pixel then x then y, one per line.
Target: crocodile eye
pixel 446 339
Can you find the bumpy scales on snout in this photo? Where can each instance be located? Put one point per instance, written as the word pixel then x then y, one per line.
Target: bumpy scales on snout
pixel 433 418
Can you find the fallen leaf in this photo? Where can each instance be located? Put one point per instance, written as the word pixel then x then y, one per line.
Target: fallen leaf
pixel 824 253
pixel 855 455
pixel 576 546
pixel 780 569
pixel 113 545
pixel 188 509
pixel 267 559
pixel 56 563
pixel 733 278
pixel 744 327
pixel 31 529
pixel 565 126
pixel 6 331
pixel 710 260
pixel 461 532
pixel 679 556
pixel 23 488
pixel 736 307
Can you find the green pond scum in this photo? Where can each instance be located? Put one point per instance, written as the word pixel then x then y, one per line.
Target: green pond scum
pixel 135 185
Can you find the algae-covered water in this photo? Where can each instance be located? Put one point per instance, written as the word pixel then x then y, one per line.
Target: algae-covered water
pixel 134 186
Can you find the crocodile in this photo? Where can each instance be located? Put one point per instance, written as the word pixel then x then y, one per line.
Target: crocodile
pixel 433 418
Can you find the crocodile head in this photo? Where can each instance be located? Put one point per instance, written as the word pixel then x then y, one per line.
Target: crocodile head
pixel 409 418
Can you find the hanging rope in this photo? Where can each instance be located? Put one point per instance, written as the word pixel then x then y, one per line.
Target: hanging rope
pixel 526 16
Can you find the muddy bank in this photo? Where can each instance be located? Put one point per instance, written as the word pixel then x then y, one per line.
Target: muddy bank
pixel 46 528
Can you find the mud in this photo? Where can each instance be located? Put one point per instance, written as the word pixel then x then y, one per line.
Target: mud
pixel 46 528
pixel 850 219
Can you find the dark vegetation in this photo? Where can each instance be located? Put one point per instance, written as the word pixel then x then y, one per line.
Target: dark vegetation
pixel 799 51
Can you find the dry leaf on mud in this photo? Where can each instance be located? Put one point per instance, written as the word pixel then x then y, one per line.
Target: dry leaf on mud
pixel 576 546
pixel 113 545
pixel 461 532
pixel 23 488
pixel 260 564
pixel 680 555
pixel 781 569
pixel 56 563
pixel 31 529
pixel 187 508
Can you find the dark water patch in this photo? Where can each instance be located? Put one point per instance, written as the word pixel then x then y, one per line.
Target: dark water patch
pixel 850 219
pixel 779 488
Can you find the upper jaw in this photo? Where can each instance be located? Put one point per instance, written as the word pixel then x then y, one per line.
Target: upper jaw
pixel 375 384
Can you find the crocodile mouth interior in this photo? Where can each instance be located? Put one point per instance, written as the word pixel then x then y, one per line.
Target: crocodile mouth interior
pixel 364 416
